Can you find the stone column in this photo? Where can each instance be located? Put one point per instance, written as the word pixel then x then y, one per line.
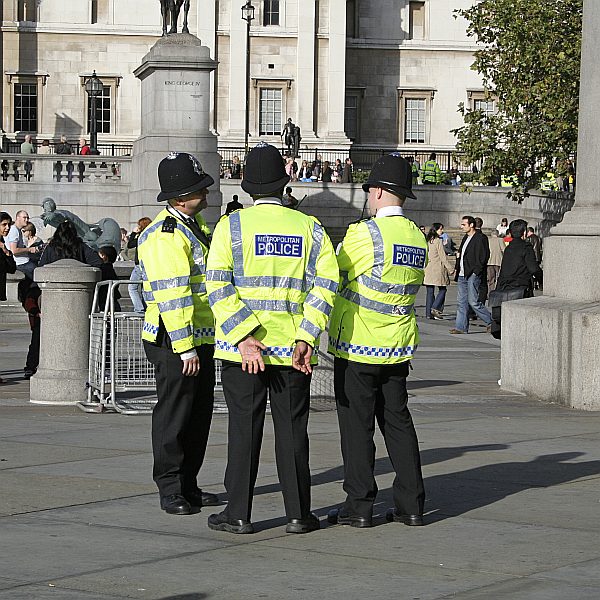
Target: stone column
pixel 207 32
pixel 67 294
pixel 336 75
pixel 305 69
pixel 550 344
pixel 176 94
pixel 237 77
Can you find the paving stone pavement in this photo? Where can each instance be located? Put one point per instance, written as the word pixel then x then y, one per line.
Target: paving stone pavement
pixel 513 492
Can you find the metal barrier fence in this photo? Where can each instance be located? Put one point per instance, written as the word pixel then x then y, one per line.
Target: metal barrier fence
pixel 121 378
pixel 14 147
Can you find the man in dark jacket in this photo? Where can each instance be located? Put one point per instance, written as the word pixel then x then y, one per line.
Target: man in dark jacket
pixel 519 264
pixel 471 264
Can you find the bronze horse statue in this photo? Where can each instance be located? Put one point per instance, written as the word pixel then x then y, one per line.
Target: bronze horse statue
pixel 170 9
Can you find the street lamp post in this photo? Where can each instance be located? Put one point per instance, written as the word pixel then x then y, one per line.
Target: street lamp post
pixel 94 88
pixel 248 16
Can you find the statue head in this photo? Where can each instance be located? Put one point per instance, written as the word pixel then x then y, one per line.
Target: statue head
pixel 48 205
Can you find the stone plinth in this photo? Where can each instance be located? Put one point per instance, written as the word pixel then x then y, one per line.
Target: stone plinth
pixel 550 345
pixel 67 293
pixel 176 94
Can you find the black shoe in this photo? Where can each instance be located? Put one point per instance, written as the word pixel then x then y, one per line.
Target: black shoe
pixel 306 525
pixel 410 520
pixel 221 522
pixel 175 504
pixel 199 498
pixel 338 517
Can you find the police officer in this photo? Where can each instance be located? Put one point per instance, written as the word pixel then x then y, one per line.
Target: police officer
pixel 271 279
pixel 373 335
pixel 431 173
pixel 178 332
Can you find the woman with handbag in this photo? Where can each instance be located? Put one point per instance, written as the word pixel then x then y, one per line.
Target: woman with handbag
pixel 437 272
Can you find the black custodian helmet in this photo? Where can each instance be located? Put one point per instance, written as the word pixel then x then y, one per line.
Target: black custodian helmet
pixel 392 173
pixel 264 172
pixel 181 174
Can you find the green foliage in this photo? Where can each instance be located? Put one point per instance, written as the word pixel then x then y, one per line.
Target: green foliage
pixel 360 176
pixel 529 62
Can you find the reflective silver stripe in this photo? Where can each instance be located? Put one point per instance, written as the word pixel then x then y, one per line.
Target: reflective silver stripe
pixel 310 328
pixel 328 284
pixel 175 304
pixel 150 229
pixel 378 254
pixel 387 288
pixel 237 250
pixel 198 288
pixel 273 305
pixel 148 296
pixel 221 294
pixel 143 271
pixel 181 334
pixel 290 283
pixel 197 270
pixel 318 304
pixel 380 307
pixel 311 266
pixel 167 284
pixel 219 276
pixel 240 316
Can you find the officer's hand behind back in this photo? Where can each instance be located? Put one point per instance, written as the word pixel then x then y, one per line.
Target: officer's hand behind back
pixel 191 367
pixel 250 350
pixel 301 357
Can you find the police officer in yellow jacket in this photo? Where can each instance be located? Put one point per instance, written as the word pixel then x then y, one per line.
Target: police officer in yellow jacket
pixel 373 335
pixel 271 279
pixel 178 332
pixel 430 172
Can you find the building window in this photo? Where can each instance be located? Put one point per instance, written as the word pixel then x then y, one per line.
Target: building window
pixel 351 116
pixel 103 111
pixel 351 19
pixel 99 11
pixel 270 112
pixel 487 107
pixel 94 10
pixel 26 10
pixel 415 120
pixel 26 107
pixel 416 20
pixel 271 12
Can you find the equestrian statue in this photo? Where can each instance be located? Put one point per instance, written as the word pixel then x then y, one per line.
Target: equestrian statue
pixel 170 9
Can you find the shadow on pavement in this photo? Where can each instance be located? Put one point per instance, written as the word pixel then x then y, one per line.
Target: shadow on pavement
pixel 413 384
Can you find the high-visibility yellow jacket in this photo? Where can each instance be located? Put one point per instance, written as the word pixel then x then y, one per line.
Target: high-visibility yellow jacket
pixel 173 264
pixel 271 273
pixel 382 265
pixel 431 172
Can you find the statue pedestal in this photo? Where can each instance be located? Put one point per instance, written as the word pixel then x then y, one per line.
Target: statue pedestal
pixel 550 344
pixel 175 78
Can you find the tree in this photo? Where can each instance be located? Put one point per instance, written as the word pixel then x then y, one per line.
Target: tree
pixel 529 62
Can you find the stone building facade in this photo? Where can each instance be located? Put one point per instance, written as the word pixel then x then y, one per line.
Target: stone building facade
pixel 376 73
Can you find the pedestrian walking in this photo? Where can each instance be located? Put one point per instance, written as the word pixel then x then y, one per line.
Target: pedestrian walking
pixel 437 273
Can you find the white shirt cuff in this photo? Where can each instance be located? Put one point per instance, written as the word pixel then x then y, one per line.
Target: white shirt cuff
pixel 189 354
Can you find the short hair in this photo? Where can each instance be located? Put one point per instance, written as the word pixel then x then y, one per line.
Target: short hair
pixel 235 197
pixel 21 212
pixel 531 229
pixel 144 222
pixel 30 227
pixel 478 222
pixel 517 228
pixel 432 156
pixel 4 216
pixel 288 190
pixel 470 219
pixel 109 252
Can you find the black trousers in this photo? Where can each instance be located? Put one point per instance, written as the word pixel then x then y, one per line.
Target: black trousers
pixel 364 393
pixel 246 397
pixel 181 418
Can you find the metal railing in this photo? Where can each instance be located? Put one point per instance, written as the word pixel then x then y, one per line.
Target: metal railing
pixel 105 149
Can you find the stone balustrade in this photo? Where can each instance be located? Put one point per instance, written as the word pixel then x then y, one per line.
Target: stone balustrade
pixel 28 168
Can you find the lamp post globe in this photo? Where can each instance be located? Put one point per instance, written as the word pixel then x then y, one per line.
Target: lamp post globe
pixel 94 88
pixel 248 16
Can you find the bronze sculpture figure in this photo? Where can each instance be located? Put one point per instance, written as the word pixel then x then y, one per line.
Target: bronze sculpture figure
pixel 170 9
